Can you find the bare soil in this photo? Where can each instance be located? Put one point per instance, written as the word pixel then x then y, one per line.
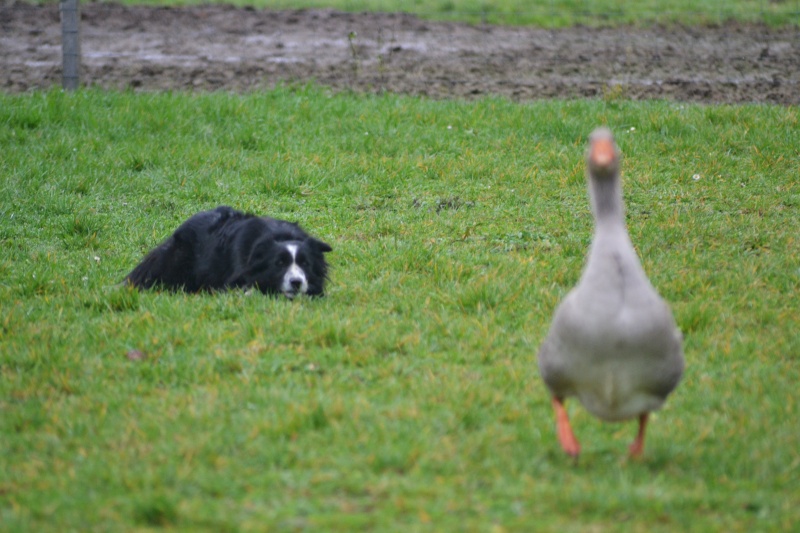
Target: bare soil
pixel 238 49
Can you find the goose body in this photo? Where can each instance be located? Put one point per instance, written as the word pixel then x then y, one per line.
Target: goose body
pixel 613 342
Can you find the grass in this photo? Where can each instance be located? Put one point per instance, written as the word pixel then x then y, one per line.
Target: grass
pixel 550 13
pixel 408 398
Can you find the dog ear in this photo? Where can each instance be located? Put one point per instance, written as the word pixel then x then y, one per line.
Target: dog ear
pixel 259 253
pixel 321 246
pixel 257 256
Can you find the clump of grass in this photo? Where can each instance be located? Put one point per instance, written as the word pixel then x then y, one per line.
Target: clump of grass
pixel 156 511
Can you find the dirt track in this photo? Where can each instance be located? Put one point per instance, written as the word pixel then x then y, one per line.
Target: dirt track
pixel 227 48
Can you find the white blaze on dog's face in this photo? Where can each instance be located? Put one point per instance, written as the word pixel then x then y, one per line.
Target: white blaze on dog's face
pixel 294 280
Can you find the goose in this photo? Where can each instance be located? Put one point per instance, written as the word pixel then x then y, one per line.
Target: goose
pixel 613 342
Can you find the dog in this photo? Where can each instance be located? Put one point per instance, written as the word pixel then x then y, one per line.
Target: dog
pixel 226 249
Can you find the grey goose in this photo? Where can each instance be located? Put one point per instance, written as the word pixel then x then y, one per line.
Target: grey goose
pixel 613 342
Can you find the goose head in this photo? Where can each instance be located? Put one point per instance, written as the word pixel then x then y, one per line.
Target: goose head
pixel 603 165
pixel 603 156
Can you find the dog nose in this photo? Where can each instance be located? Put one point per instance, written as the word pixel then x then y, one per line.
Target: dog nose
pixel 296 283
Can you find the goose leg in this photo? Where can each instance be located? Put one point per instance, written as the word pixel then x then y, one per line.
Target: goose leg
pixel 565 435
pixel 637 447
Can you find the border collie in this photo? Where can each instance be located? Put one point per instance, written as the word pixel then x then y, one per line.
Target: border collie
pixel 224 249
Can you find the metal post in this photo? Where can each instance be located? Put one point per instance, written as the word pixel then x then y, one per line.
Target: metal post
pixel 70 43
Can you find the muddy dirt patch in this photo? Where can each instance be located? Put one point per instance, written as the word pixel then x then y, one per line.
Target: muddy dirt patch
pixel 240 49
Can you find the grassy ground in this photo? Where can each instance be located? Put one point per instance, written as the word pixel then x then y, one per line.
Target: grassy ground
pixel 407 399
pixel 554 13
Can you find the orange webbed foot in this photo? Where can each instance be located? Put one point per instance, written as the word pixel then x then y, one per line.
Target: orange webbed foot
pixel 636 449
pixel 564 430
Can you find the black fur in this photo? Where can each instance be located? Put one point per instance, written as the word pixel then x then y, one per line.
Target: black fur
pixel 224 248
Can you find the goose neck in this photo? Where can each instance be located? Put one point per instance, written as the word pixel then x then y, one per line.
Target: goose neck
pixel 606 196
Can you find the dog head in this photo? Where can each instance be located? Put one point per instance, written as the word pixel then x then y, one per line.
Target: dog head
pixel 290 268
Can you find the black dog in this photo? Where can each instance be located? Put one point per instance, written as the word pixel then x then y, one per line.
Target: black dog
pixel 224 248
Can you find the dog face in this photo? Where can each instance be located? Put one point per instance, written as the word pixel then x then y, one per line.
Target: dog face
pixel 294 280
pixel 290 268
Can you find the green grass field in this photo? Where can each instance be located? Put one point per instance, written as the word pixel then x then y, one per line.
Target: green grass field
pixel 547 13
pixel 408 398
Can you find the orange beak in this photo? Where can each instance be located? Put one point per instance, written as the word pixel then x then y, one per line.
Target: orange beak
pixel 603 153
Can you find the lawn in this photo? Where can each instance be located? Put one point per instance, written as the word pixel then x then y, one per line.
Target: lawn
pixel 408 398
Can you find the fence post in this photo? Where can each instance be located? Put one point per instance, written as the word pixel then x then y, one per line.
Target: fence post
pixel 70 44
